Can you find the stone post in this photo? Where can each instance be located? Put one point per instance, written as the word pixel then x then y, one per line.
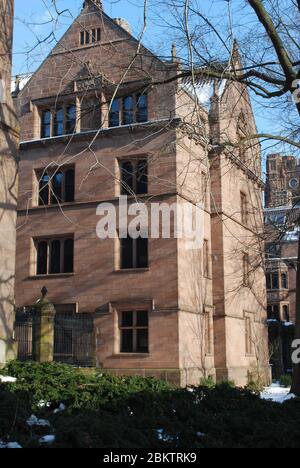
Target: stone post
pixel 44 329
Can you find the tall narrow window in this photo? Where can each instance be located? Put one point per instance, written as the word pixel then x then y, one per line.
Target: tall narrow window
pixel 46 124
pixel 206 269
pixel 248 332
pixel 98 34
pixel 82 38
pixel 44 189
pixel 134 334
pixel 246 270
pixel 57 186
pixel 244 209
pixel 42 258
pixel 114 115
pixel 58 125
pixel 69 185
pixel 286 313
pixel 142 108
pixel 134 253
pixel 128 110
pixel 87 37
pixel 55 256
pixel 134 177
pixel 284 281
pixel 71 119
pixel 93 35
pixel 273 312
pixel 208 334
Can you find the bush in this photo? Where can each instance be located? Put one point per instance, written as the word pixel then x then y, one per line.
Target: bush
pixel 207 382
pixel 60 383
pixel 285 381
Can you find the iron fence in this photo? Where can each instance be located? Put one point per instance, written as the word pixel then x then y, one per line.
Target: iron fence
pixel 74 340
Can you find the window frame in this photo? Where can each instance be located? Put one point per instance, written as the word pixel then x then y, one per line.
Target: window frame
pixel 206 259
pixel 137 176
pixel 135 111
pixel 134 328
pixel 134 254
pixel 62 257
pixel 41 173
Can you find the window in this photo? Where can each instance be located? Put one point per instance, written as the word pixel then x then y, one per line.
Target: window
pixel 58 126
pixel 128 110
pixel 57 122
pixel 246 270
pixel 46 124
pixel 56 187
pixel 273 312
pixel 208 334
pixel 248 333
pixel 284 281
pixel 55 256
pixel 244 209
pixel 71 119
pixel 286 313
pixel 272 165
pixel 114 115
pixel 90 36
pixel 134 333
pixel 206 269
pixel 134 177
pixel 134 253
pixel 273 280
pixel 273 250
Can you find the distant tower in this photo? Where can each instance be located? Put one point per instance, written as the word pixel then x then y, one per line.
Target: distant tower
pixel 97 4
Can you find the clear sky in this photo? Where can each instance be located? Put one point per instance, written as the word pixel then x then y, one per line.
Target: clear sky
pixel 33 21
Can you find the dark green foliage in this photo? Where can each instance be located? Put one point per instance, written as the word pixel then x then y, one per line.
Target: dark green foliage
pixel 285 381
pixel 109 412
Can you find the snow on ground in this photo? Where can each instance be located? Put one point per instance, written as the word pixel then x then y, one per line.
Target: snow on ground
pixel 7 379
pixel 277 394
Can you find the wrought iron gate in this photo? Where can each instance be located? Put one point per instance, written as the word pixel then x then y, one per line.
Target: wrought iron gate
pixel 74 340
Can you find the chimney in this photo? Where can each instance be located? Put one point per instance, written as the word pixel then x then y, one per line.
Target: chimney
pixel 92 4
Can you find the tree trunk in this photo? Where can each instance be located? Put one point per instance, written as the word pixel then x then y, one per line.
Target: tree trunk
pixel 296 367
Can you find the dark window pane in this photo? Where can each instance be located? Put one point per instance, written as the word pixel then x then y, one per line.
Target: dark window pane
pixel 142 318
pixel 126 341
pixel 93 35
pixel 58 126
pixel 46 124
pixel 128 110
pixel 126 253
pixel 87 37
pixel 114 115
pixel 42 254
pixel 286 313
pixel 57 188
pixel 82 37
pixel 142 253
pixel 142 178
pixel 98 34
pixel 142 341
pixel 276 312
pixel 275 280
pixel 269 282
pixel 55 257
pixel 71 120
pixel 70 185
pixel 44 190
pixel 127 177
pixel 142 108
pixel 270 312
pixel 127 319
pixel 284 281
pixel 69 256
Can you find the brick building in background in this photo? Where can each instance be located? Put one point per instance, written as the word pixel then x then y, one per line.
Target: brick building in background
pixel 281 215
pixel 92 128
pixel 8 184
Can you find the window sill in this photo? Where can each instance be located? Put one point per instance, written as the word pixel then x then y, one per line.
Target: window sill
pixel 130 355
pixel 132 270
pixel 57 275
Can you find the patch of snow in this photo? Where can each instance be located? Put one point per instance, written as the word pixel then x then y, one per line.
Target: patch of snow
pixel 44 404
pixel 288 324
pixel 47 439
pixel 60 409
pixel 9 445
pixel 7 379
pixel 277 394
pixel 162 435
pixel 34 421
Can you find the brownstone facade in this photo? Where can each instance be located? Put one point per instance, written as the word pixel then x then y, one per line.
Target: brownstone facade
pixel 181 314
pixel 8 185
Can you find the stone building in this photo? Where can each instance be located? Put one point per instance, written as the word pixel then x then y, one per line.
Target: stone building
pixel 8 184
pixel 281 216
pixel 94 127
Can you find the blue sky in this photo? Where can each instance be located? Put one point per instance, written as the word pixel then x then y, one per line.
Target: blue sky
pixel 33 20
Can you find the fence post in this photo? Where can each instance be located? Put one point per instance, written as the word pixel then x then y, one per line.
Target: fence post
pixel 44 329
